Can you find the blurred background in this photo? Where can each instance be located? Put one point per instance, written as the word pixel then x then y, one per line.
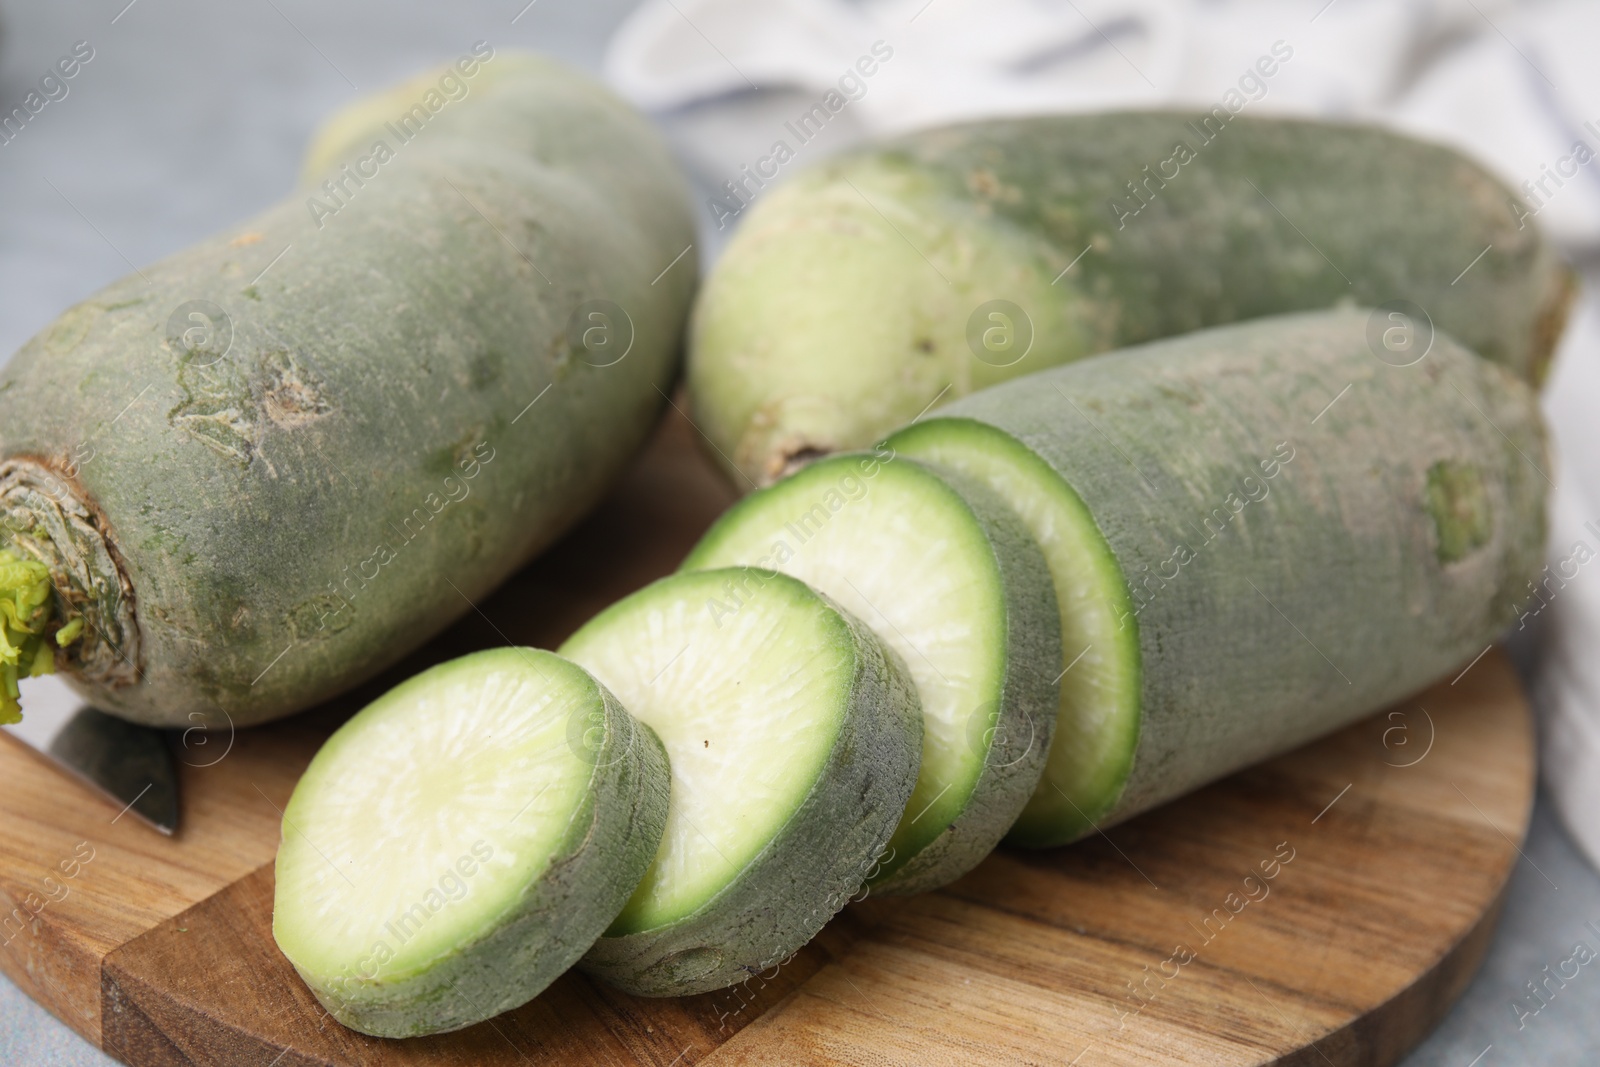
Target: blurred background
pixel 182 117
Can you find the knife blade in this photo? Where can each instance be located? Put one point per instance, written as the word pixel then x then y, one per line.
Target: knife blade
pixel 127 764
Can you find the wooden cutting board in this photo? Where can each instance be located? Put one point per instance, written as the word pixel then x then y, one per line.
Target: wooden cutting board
pixel 1161 941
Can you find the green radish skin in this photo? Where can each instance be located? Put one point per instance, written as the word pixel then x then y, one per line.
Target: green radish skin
pixel 1260 532
pixel 248 526
pixel 743 881
pixel 540 801
pixel 850 299
pixel 955 584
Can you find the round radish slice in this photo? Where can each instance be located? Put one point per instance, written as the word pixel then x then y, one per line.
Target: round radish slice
pixel 794 736
pixel 463 840
pixel 950 578
pixel 1097 722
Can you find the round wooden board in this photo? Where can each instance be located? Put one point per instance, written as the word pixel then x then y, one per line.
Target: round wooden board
pixel 1160 941
pixel 1390 844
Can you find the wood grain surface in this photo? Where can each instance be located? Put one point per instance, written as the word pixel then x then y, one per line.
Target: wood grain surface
pixel 1161 941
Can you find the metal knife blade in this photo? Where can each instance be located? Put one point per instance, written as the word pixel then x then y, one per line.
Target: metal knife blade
pixel 130 765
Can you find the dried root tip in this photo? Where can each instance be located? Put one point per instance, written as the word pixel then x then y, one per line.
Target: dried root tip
pixel 790 460
pixel 1550 323
pixel 61 575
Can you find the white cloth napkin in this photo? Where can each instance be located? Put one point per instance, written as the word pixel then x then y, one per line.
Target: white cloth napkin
pixel 1512 84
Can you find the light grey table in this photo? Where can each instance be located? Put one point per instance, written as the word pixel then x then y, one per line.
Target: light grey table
pixel 192 116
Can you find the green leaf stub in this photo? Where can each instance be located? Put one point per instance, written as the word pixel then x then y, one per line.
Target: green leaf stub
pixel 1459 506
pixel 25 611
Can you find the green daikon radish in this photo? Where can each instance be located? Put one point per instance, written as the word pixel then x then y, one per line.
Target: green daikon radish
pixel 270 465
pixel 910 272
pixel 1258 533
